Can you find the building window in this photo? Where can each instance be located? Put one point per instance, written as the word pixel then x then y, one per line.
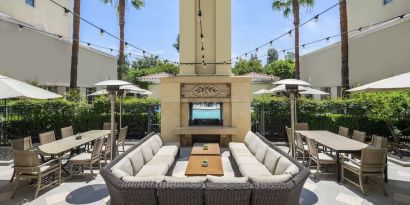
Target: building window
pixel 30 2
pixel 387 1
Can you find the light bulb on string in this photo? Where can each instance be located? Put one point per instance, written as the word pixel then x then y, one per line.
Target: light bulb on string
pixel 20 27
pixel 199 15
pixel 327 39
pixel 88 44
pixel 59 37
pixel 316 18
pixel 290 33
pixel 111 50
pixel 66 11
pixel 101 33
pixel 202 37
pixel 125 45
pixel 270 44
pixel 402 18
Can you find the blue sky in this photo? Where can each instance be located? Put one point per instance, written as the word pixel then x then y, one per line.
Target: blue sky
pixel 155 26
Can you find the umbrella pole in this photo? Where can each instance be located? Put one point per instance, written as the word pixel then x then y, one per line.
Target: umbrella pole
pixel 121 97
pixel 112 99
pixel 292 119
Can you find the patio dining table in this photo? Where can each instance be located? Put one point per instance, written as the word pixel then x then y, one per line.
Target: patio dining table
pixel 66 144
pixel 338 143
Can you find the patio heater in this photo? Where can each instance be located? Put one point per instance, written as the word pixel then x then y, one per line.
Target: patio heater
pixel 113 88
pixel 292 87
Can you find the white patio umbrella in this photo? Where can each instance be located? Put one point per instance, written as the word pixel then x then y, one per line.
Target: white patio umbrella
pixel 11 88
pixel 263 92
pixel 398 82
pixel 292 86
pixel 301 90
pixel 113 87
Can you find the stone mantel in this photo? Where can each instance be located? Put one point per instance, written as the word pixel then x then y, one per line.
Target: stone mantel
pixel 205 130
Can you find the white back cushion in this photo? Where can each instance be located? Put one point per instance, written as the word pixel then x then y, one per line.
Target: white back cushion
pixel 271 159
pixel 119 173
pixel 186 179
pixel 158 139
pixel 143 179
pixel 292 170
pixel 146 151
pixel 137 160
pixel 215 179
pixel 283 165
pixel 125 166
pixel 252 142
pixel 155 145
pixel 261 151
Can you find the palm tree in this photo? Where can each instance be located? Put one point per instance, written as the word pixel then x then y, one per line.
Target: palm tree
pixel 137 4
pixel 75 45
pixel 288 7
pixel 344 45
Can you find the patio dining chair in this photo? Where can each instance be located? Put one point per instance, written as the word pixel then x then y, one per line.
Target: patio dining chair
pixel 344 131
pixel 301 147
pixel 359 136
pixel 88 159
pixel 107 126
pixel 320 158
pixel 27 166
pixel 47 137
pixel 372 164
pixel 20 144
pixel 301 126
pixel 121 138
pixel 379 142
pixel 67 132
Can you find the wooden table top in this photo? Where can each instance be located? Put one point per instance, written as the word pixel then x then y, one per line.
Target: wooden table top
pixel 195 168
pixel 213 149
pixel 334 141
pixel 68 143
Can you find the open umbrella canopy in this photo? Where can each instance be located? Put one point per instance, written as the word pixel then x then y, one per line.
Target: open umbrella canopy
pixel 263 92
pixel 291 82
pixel 398 82
pixel 112 83
pixel 302 90
pixel 11 88
pixel 128 88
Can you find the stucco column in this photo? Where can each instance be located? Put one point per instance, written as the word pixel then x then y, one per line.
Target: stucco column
pixel 223 36
pixel 187 23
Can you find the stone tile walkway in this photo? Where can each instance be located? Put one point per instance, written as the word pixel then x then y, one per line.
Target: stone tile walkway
pixel 323 191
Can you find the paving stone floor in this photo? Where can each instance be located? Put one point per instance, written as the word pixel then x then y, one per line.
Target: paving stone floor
pixel 324 190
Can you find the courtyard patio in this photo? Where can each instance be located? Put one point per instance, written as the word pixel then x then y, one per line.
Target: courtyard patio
pixel 323 191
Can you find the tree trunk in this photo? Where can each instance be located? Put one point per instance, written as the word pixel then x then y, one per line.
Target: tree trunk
pixel 296 22
pixel 75 45
pixel 344 45
pixel 121 57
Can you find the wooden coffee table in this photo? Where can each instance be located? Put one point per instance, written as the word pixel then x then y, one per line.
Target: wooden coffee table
pixel 213 149
pixel 195 168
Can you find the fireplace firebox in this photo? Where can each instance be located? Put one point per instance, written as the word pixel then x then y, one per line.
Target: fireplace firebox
pixel 206 114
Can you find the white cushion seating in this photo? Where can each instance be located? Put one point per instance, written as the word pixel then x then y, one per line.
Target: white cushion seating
pixel 148 162
pixel 216 179
pixel 261 163
pixel 186 179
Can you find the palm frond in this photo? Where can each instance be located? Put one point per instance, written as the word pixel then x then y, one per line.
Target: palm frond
pixel 283 5
pixel 137 4
pixel 307 3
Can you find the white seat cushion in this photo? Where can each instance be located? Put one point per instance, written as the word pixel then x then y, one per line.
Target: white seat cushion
pixel 125 166
pixel 143 179
pixel 153 170
pixel 261 151
pixel 326 157
pixel 162 159
pixel 147 151
pixel 246 160
pixel 270 179
pixel 237 145
pixel 186 179
pixel 271 159
pixel 248 170
pixel 283 165
pixel 137 160
pixel 240 151
pixel 216 179
pixel 119 173
pixel 168 150
pixel 81 157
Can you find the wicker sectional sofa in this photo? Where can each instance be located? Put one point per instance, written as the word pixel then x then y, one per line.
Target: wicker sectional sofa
pixel 140 177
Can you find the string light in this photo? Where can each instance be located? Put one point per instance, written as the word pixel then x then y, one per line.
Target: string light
pixel 126 45
pixel 327 39
pixel 101 32
pixel 88 44
pixel 20 27
pixel 316 18
pixel 290 33
pixel 66 11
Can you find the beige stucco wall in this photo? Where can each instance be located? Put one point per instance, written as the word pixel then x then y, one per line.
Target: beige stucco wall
pixel 44 12
pixel 175 112
pixel 373 56
pixel 155 89
pixel 216 27
pixel 365 12
pixel 258 86
pixel 29 55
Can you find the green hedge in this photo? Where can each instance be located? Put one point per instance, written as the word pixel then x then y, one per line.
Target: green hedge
pixel 30 117
pixel 369 112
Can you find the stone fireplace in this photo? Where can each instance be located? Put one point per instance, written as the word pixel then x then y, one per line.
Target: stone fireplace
pixel 212 84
